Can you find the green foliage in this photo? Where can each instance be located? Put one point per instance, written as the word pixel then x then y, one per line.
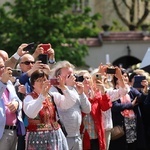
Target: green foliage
pixel 116 26
pixel 45 21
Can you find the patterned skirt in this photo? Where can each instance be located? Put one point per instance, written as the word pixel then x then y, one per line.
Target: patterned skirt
pixel 46 140
pixel 130 126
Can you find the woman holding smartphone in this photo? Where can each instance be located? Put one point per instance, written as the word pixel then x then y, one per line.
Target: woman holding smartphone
pixel 92 128
pixel 43 131
pixel 126 112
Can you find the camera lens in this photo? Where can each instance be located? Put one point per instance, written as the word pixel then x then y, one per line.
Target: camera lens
pixel 96 75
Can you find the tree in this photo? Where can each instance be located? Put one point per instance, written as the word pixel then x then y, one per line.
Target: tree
pixel 132 7
pixel 44 21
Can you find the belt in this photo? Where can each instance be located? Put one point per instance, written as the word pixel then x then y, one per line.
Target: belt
pixel 43 127
pixel 10 127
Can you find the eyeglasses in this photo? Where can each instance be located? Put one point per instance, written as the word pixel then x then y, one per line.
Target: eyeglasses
pixel 28 62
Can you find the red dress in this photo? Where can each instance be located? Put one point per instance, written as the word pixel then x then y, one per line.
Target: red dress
pixel 98 104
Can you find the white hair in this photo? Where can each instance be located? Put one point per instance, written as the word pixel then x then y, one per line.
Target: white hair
pixel 60 65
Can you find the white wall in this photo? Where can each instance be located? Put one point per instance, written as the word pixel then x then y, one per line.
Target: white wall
pixel 115 50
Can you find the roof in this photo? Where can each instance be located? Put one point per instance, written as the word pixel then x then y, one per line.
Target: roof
pixel 124 36
pixel 91 42
pixel 116 36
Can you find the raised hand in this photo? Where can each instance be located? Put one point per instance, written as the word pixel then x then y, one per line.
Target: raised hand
pixel 20 50
pixel 38 65
pixel 80 87
pixel 6 75
pixel 45 88
pixel 100 86
pixel 70 80
pixel 38 51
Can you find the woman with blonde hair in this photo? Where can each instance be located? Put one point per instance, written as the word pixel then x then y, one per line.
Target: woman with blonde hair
pixel 92 126
pixel 114 94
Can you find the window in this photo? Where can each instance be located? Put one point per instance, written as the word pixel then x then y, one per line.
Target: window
pixel 86 3
pixel 79 5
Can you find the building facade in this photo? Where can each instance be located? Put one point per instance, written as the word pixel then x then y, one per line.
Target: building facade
pixel 122 48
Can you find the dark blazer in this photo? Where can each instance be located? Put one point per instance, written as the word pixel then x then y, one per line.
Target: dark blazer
pixel 118 119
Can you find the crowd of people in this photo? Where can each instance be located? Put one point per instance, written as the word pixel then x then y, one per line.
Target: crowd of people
pixel 54 105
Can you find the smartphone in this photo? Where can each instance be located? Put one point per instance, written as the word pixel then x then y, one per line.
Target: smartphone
pixel 43 58
pixel 79 78
pixel 111 71
pixel 98 76
pixel 16 72
pixel 29 47
pixel 54 81
pixel 45 47
pixel 138 80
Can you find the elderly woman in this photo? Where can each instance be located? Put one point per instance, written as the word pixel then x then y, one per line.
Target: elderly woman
pixel 92 127
pixel 43 131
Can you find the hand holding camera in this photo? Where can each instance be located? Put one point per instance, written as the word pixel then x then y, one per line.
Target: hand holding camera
pixel 46 47
pixel 102 69
pixel 79 78
pixel 111 70
pixel 21 50
pixel 35 67
pixel 100 85
pixel 29 47
pixel 38 51
pixel 46 68
pixel 118 73
pixel 98 77
pixel 45 88
pixel 43 58
pixel 54 81
pixel 80 87
pixel 70 80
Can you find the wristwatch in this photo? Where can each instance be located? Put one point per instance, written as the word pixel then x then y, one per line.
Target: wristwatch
pixel 52 61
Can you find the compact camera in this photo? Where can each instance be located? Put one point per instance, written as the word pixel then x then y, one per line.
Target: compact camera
pixel 79 78
pixel 111 71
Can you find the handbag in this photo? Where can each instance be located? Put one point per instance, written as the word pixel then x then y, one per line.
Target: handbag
pixel 117 132
pixel 59 119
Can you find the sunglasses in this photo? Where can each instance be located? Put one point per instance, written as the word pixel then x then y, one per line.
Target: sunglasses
pixel 28 62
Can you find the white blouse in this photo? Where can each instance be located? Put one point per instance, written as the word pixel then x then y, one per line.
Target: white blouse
pixel 32 106
pixel 114 95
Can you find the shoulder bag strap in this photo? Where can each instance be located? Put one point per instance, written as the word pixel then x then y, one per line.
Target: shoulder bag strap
pixel 52 98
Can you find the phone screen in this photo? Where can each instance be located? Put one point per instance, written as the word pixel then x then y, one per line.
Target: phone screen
pixel 138 80
pixel 45 47
pixel 111 71
pixel 29 47
pixel 43 58
pixel 54 82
